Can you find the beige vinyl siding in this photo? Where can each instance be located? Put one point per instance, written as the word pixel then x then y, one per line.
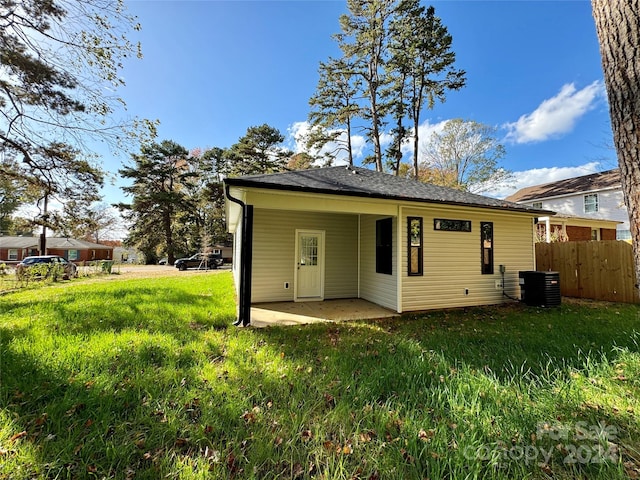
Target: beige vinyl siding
pixel 274 253
pixel 452 260
pixel 376 287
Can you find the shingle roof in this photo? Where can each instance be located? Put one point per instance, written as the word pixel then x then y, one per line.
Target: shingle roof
pixel 569 186
pixel 52 242
pixel 361 182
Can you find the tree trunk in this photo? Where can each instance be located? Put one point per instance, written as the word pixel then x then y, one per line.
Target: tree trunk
pixel 416 143
pixel 618 28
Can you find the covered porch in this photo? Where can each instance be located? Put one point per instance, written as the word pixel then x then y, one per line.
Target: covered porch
pixel 300 313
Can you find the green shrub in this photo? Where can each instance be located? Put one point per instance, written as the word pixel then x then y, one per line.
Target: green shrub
pixel 106 266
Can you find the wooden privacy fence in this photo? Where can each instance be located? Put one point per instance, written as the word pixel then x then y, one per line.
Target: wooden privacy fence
pixel 598 270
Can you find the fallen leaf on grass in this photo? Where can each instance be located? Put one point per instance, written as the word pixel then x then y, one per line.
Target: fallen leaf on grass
pixel 212 455
pixel 181 442
pixel 41 420
pixel 18 436
pixel 306 435
pixel 426 435
pixel 249 417
pixel 232 464
pixel 329 400
pixel 366 437
pixel 297 471
pixel 546 469
pixel 76 408
pixel 407 458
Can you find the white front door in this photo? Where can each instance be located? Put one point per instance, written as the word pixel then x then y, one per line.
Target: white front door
pixel 309 273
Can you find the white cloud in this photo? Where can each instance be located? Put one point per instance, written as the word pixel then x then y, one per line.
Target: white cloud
pixel 538 176
pixel 555 116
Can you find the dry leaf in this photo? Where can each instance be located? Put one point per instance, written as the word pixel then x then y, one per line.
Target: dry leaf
pixel 249 417
pixel 18 436
pixel 426 435
pixel 405 455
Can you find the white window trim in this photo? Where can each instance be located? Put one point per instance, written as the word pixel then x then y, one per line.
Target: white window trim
pixel 591 204
pixel 12 254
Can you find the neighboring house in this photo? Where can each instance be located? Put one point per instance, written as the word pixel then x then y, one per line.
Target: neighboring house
pixel 596 196
pixel 573 228
pixel 339 232
pixel 126 254
pixel 225 251
pixel 14 249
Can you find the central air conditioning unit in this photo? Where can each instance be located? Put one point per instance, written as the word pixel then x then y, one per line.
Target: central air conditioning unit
pixel 540 289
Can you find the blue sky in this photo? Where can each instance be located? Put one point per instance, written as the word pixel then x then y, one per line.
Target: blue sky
pixel 211 69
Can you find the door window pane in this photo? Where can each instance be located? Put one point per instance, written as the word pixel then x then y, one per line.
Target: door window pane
pixel 309 250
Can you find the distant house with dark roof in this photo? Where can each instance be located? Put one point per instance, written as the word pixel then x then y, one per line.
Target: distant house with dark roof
pixel 337 232
pixel 597 196
pixel 14 249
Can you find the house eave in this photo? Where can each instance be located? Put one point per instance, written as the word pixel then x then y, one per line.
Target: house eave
pixel 238 182
pixel 565 195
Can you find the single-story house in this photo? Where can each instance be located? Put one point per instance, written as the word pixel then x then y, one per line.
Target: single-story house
pixel 347 232
pixel 14 249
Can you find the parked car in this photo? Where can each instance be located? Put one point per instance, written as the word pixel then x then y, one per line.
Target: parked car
pixel 42 265
pixel 199 260
pixel 162 261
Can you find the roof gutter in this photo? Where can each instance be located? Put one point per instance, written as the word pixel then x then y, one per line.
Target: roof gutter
pixel 246 253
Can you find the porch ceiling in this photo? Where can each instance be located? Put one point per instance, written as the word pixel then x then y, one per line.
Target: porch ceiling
pixel 299 313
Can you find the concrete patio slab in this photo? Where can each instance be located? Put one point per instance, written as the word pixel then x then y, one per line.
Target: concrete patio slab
pixel 299 313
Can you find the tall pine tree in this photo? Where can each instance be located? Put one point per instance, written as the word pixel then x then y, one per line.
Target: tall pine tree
pixel 333 107
pixel 160 175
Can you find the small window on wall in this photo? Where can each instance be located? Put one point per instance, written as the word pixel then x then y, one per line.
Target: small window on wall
pixel 72 255
pixel 537 205
pixel 414 235
pixel 12 254
pixel 384 246
pixel 486 240
pixel 591 203
pixel 623 234
pixel 447 225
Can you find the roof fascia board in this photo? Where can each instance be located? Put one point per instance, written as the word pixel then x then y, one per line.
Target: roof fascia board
pixel 291 190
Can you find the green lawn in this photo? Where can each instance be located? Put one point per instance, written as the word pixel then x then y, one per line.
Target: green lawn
pixel 147 379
